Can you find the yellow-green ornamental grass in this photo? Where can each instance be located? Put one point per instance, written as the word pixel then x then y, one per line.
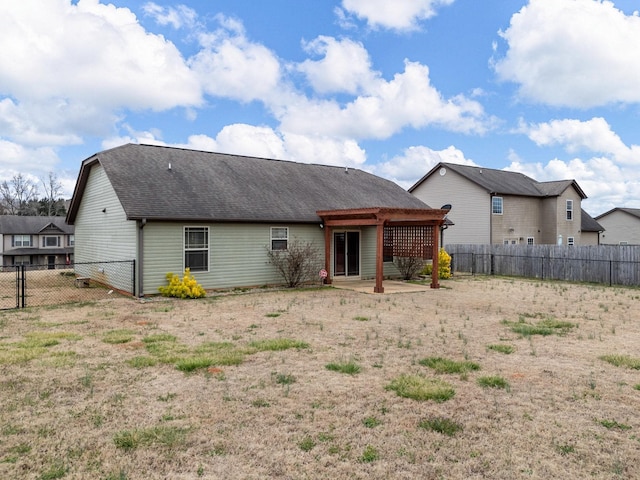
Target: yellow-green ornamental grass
pixel 185 287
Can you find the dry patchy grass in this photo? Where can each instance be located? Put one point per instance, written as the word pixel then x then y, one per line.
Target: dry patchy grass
pixel 220 388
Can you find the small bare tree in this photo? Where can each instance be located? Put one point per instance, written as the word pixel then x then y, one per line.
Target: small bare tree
pixel 18 196
pixel 409 266
pixel 298 264
pixel 52 202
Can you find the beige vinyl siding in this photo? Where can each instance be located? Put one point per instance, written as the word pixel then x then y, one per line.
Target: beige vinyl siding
pixel 548 221
pixel 471 206
pixel 519 220
pixel 237 253
pixel 569 228
pixel 620 226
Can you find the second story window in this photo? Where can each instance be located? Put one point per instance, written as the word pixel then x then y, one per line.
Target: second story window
pixel 21 241
pixel 569 209
pixel 50 241
pixel 570 241
pixel 71 240
pixel 496 205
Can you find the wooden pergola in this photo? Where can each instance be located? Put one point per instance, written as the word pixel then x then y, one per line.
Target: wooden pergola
pixel 405 232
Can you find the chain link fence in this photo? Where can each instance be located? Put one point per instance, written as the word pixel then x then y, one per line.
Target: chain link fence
pixel 24 286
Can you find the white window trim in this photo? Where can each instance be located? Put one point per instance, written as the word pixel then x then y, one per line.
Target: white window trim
pixel 22 238
pixel 46 237
pixel 207 248
pixel 533 241
pixel 272 238
pixel 571 241
pixel 569 208
pixel 501 205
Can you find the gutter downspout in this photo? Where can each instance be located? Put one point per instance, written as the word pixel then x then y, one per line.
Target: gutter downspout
pixel 141 224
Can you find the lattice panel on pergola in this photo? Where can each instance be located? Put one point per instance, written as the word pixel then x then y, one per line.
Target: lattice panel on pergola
pixel 408 241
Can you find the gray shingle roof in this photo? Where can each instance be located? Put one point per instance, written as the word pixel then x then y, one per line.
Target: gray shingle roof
pixel 164 183
pixel 31 225
pixel 631 211
pixel 503 182
pixel 589 224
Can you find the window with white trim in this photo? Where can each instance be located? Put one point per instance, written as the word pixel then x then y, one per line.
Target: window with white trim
pixel 71 240
pixel 496 205
pixel 196 249
pixel 569 209
pixel 570 242
pixel 50 241
pixel 21 241
pixel 530 241
pixel 279 238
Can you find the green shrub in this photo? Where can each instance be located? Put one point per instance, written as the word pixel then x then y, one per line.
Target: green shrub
pixel 185 287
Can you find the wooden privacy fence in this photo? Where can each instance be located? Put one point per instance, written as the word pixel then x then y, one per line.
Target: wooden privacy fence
pixel 607 264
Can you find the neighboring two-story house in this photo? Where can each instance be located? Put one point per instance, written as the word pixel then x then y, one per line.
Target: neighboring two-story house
pixel 35 240
pixel 499 207
pixel 622 225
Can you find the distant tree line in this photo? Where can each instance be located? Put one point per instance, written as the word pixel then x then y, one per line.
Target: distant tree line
pixel 21 196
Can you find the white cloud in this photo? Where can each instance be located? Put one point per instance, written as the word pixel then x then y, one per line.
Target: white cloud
pixel 178 17
pixel 576 53
pixel 229 65
pixel 416 161
pixel 42 160
pixel 593 135
pixel 395 15
pixel 68 67
pixel 346 66
pixel 387 107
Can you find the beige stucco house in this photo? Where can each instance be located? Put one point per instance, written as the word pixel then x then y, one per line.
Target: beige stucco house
pixel 499 207
pixel 622 226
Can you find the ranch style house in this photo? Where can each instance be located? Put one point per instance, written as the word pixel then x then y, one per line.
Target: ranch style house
pixel 219 214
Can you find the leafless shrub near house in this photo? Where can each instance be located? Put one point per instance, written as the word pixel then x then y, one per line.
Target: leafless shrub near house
pixel 409 266
pixel 298 264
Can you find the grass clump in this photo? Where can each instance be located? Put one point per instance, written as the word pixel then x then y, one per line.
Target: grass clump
pixel 445 365
pixel 441 425
pixel 493 381
pixel 371 422
pixel 210 354
pixel 625 361
pixel 46 339
pixel 166 436
pixel 614 424
pixel 275 345
pixel 307 444
pixel 548 326
pixel 349 367
pixel 421 388
pixel 360 318
pixel 118 336
pixel 369 454
pixel 142 362
pixel 502 348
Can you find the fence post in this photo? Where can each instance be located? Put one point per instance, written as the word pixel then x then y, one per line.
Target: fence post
pixel 493 264
pixel 23 284
pixel 473 264
pixel 610 272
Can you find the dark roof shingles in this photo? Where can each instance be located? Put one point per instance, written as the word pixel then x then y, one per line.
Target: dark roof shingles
pixel 220 187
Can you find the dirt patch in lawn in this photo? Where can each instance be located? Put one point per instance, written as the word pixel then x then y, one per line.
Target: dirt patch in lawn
pixel 323 384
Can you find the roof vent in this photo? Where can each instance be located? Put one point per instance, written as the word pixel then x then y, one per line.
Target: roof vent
pixel 346 169
pixel 169 166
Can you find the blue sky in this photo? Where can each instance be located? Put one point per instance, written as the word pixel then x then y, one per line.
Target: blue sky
pixel 549 88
